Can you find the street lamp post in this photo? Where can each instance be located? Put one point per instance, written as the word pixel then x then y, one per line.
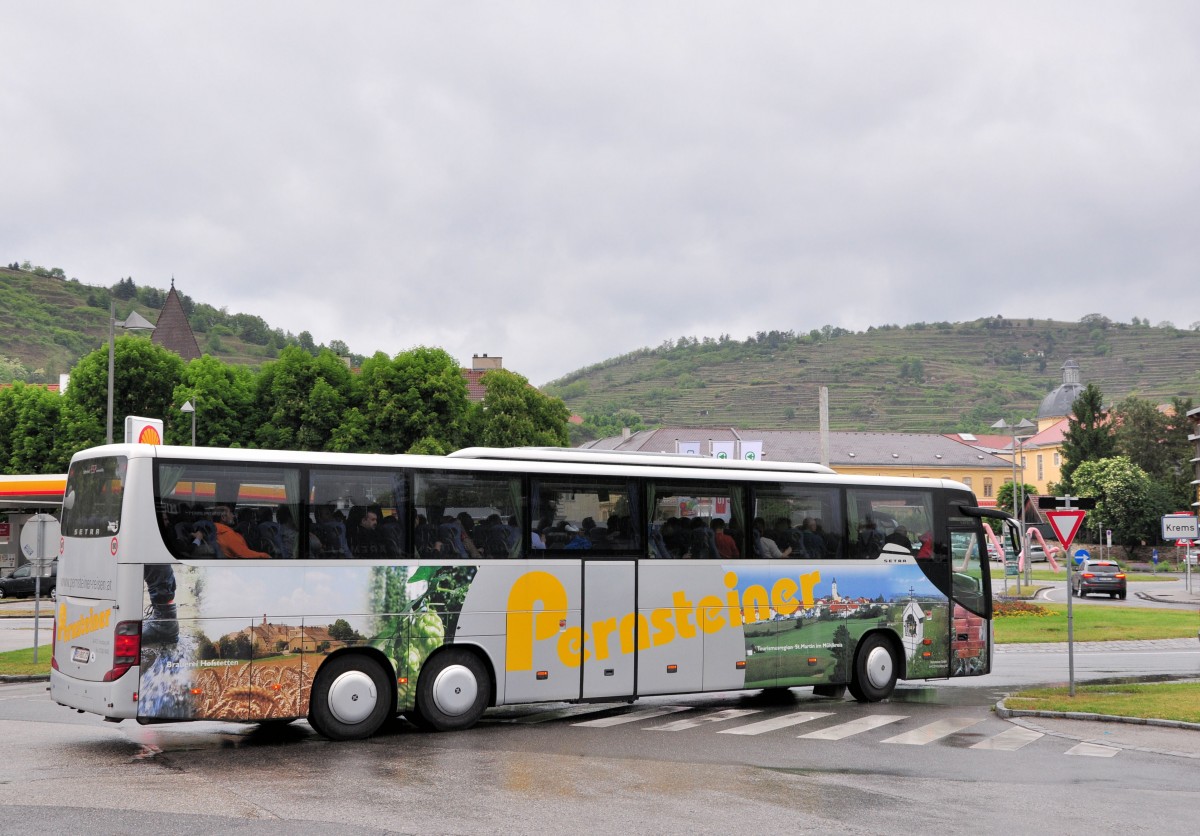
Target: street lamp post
pixel 1019 486
pixel 189 409
pixel 135 322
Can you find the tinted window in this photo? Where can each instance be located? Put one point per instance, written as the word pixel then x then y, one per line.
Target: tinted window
pixel 460 516
pixel 805 518
pixel 683 519
pixel 890 519
pixel 92 498
pixel 356 513
pixel 585 514
pixel 228 510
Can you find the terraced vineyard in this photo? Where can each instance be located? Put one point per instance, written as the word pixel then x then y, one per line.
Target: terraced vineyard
pixel 920 378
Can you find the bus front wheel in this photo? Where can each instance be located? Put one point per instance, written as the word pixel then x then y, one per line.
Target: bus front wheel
pixel 875 670
pixel 351 698
pixel 453 690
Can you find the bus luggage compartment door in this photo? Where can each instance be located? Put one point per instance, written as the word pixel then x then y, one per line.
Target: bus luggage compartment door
pixel 609 604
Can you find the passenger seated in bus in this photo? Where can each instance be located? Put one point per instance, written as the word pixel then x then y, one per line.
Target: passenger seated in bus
pixel 899 537
pixel 811 539
pixel 578 539
pixel 674 536
pixel 701 543
pixel 330 534
pixel 500 538
pixel 231 542
pixel 786 537
pixel 727 547
pixel 870 540
pixel 764 545
pixel 468 534
pixel 288 533
pixel 203 539
pixel 363 533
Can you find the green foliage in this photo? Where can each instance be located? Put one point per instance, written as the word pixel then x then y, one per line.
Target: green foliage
pixel 1127 500
pixel 1089 436
pixel 1004 495
pixel 514 414
pixel 224 398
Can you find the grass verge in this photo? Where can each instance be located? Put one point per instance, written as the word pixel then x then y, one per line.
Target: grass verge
pixel 1018 622
pixel 20 662
pixel 1154 700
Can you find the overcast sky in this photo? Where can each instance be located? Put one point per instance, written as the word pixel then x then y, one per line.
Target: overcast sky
pixel 563 182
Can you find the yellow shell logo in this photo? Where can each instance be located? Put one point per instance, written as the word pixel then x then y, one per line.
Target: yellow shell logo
pixel 149 435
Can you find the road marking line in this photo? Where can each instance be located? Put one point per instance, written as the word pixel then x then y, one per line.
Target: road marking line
pixel 1009 741
pixel 715 717
pixel 776 723
pixel 933 731
pixel 858 726
pixel 560 713
pixel 633 716
pixel 1093 750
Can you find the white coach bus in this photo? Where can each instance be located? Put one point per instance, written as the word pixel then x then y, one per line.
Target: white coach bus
pixel 262 586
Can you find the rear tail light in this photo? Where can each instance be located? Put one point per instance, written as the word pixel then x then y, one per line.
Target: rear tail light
pixel 1119 575
pixel 1087 575
pixel 54 643
pixel 127 648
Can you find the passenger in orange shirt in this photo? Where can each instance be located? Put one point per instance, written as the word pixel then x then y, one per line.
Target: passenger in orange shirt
pixel 231 542
pixel 726 546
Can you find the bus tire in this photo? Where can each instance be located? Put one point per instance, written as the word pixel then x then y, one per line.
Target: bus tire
pixel 453 690
pixel 875 670
pixel 351 698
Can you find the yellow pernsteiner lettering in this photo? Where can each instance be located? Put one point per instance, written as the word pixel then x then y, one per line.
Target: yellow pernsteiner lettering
pixel 683 615
pixel 570 647
pixel 735 608
pixel 783 596
pixel 664 630
pixel 629 623
pixel 755 604
pixel 601 630
pixel 807 581
pixel 527 626
pixel 71 630
pixel 708 614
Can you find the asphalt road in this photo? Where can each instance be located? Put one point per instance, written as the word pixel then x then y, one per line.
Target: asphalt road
pixel 935 756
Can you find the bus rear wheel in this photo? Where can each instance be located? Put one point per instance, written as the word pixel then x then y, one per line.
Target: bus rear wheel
pixel 351 698
pixel 875 670
pixel 453 690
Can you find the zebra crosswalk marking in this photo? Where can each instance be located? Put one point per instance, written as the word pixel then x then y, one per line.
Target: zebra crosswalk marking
pixel 862 724
pixel 714 717
pixel 632 716
pixel 1009 741
pixel 1093 750
pixel 776 723
pixel 933 731
pixel 560 713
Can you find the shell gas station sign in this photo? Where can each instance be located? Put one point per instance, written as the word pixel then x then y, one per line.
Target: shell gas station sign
pixel 143 430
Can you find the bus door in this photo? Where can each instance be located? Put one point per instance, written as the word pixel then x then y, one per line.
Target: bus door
pixel 609 622
pixel 970 588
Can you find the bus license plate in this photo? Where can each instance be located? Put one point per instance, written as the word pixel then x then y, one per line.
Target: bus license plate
pixel 80 654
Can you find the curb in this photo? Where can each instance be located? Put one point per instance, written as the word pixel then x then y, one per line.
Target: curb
pixel 32 677
pixel 1008 713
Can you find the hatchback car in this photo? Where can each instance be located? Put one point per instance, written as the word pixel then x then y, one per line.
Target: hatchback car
pixel 1098 576
pixel 20 583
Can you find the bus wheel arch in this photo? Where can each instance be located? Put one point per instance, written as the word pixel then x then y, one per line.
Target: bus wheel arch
pixel 454 688
pixel 353 694
pixel 878 664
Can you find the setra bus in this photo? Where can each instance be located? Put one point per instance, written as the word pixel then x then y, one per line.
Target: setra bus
pixel 263 586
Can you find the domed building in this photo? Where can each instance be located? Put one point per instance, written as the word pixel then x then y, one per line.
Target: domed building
pixel 1057 405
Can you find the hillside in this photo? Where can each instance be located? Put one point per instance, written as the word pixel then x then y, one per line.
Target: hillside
pixel 939 377
pixel 47 322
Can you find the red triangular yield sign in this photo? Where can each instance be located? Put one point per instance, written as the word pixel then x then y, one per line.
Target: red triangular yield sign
pixel 1065 524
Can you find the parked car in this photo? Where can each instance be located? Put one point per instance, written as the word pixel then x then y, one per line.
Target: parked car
pixel 1098 576
pixel 21 581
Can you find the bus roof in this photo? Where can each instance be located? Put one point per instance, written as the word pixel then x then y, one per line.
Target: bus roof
pixel 584 456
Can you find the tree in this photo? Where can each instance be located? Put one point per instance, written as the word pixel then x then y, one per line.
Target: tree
pixel 1127 501
pixel 420 396
pixel 341 630
pixel 144 380
pixel 223 396
pixel 1089 435
pixel 302 399
pixel 515 414
pixel 35 413
pixel 1004 496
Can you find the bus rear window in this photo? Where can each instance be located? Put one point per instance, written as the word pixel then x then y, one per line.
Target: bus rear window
pixel 92 499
